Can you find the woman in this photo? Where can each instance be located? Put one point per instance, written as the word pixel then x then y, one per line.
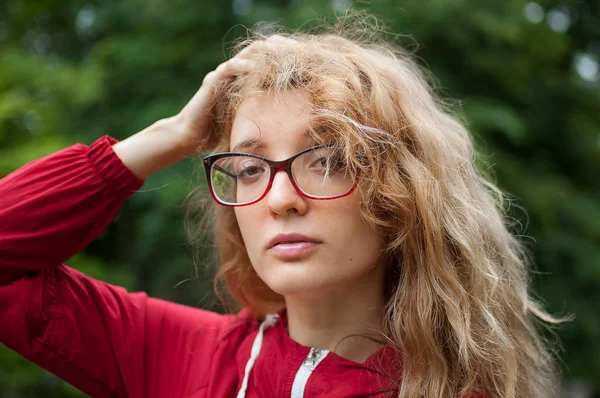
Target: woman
pixel 368 255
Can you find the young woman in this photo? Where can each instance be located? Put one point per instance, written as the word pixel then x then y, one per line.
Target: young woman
pixel 367 254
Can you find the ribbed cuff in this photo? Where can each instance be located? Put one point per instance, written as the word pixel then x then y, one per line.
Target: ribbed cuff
pixel 112 170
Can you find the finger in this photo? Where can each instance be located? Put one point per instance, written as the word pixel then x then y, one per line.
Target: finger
pixel 257 46
pixel 234 66
pixel 210 76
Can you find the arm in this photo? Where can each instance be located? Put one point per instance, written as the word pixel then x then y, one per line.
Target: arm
pixel 49 210
pixel 94 335
pixel 60 203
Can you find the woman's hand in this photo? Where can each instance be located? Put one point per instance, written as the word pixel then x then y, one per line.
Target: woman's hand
pixel 195 117
pixel 194 120
pixel 172 139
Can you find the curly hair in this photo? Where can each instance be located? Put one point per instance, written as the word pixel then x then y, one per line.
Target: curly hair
pixel 458 305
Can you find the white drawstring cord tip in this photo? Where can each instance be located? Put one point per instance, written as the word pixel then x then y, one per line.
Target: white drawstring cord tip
pixel 270 320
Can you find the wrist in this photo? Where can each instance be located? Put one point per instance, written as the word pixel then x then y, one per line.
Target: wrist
pixel 152 149
pixel 170 134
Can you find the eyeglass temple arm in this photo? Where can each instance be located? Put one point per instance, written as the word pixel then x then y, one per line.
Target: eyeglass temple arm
pixel 222 170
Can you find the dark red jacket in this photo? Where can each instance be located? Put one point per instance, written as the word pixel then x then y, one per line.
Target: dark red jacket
pixel 111 343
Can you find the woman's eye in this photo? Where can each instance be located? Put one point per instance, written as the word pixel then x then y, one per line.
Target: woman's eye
pixel 250 170
pixel 330 163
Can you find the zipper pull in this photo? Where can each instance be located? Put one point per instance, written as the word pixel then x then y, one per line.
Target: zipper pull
pixel 313 355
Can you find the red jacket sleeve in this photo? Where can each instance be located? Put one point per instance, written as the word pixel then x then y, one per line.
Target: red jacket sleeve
pixel 51 208
pixel 100 338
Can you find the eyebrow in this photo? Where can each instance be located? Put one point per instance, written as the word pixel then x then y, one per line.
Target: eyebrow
pixel 255 143
pixel 250 143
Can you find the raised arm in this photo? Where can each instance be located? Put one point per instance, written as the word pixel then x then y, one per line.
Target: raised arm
pixel 98 337
pixel 50 209
pixel 90 333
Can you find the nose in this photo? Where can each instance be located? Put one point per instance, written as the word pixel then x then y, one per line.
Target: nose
pixel 283 198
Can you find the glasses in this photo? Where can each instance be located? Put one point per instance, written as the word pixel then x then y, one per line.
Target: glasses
pixel 241 179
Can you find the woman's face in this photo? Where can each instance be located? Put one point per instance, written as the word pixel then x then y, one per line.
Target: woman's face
pixel 343 249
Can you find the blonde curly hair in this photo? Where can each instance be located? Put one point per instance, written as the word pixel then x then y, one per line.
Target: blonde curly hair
pixel 458 305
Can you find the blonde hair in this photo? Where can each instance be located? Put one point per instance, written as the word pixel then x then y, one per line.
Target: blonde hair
pixel 457 287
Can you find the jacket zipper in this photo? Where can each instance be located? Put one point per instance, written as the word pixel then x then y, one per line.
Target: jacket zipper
pixel 312 360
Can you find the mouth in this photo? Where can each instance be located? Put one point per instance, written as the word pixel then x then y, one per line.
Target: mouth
pixel 291 247
pixel 291 251
pixel 292 240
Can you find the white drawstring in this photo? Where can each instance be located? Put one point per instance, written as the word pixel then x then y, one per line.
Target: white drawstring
pixel 270 320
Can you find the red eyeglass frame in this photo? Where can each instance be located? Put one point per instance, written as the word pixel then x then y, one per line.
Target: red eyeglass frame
pixel 275 167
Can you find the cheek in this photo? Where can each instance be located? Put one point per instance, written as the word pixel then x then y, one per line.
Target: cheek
pixel 249 225
pixel 242 220
pixel 354 239
pixel 359 244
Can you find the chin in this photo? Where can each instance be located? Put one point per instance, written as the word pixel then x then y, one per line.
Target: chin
pixel 296 279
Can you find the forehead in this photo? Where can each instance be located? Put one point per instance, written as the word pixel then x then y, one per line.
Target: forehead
pixel 272 121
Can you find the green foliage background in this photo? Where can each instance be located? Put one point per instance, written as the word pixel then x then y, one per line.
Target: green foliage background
pixel 75 70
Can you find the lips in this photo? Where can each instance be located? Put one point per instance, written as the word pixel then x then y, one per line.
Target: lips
pixel 290 238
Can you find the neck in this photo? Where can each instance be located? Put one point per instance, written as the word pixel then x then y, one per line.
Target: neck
pixel 333 320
